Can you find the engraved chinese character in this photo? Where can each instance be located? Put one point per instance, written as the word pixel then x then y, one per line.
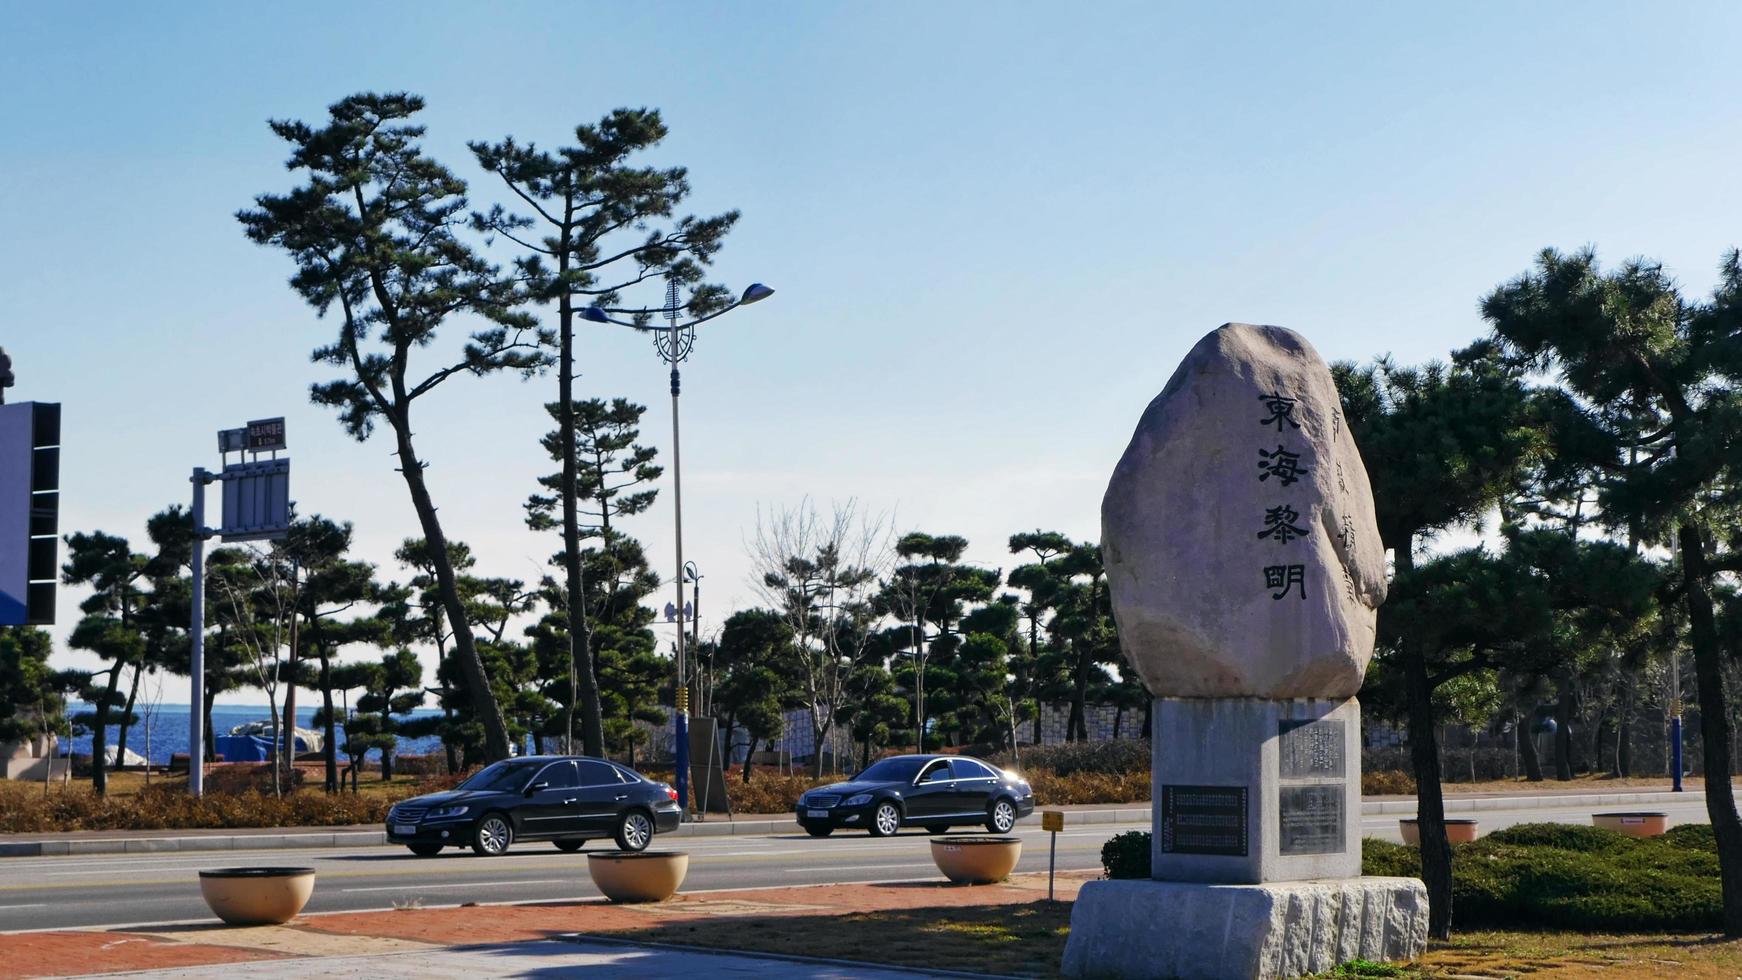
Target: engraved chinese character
pixel 1347 534
pixel 1285 577
pixel 1348 584
pixel 1281 410
pixel 1341 486
pixel 1282 464
pixel 1279 524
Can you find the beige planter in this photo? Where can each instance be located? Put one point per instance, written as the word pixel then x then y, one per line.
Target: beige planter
pixel 1457 831
pixel 976 860
pixel 1640 824
pixel 638 876
pixel 257 896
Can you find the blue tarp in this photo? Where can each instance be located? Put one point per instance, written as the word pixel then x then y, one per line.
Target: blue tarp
pixel 248 748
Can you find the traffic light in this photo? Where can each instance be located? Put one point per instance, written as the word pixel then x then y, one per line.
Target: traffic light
pixel 29 511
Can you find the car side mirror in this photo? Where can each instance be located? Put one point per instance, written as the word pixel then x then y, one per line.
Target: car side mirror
pixel 535 787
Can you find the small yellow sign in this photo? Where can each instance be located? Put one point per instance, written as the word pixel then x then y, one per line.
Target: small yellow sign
pixel 1052 821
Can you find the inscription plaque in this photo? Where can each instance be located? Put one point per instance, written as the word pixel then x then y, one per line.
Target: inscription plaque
pixel 1311 749
pixel 1311 819
pixel 1203 820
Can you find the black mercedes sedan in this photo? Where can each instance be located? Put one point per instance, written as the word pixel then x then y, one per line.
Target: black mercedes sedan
pixel 567 800
pixel 936 792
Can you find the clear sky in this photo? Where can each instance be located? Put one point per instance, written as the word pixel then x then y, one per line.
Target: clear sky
pixel 994 228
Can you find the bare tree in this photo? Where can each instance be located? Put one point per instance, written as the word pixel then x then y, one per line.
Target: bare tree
pixel 820 572
pixel 258 601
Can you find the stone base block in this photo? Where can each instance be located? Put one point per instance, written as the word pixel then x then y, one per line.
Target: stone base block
pixel 1195 931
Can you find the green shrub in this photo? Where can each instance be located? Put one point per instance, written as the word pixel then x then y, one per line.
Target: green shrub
pixel 1562 876
pixel 1562 836
pixel 1126 855
pixel 1693 836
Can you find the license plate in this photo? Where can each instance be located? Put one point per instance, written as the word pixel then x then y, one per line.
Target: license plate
pixel 816 813
pixel 405 829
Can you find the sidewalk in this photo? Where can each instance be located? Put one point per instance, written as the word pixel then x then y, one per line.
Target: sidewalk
pixel 237 839
pixel 771 929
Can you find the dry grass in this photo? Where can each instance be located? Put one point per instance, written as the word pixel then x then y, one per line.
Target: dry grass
pixel 1007 940
pixel 1570 955
pixel 165 805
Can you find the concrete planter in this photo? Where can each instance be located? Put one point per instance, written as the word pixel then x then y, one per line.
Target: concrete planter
pixel 1638 824
pixel 976 860
pixel 1457 831
pixel 638 876
pixel 257 896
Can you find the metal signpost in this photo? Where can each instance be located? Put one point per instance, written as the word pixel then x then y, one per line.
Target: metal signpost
pixel 1052 821
pixel 256 508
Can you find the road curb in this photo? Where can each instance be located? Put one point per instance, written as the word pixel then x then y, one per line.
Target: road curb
pixel 732 828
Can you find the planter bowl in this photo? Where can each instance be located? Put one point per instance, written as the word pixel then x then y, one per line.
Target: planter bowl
pixel 976 860
pixel 1457 831
pixel 1637 824
pixel 257 896
pixel 638 876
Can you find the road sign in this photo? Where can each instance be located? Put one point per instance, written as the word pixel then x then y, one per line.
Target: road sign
pixel 1052 821
pixel 256 500
pixel 232 440
pixel 265 435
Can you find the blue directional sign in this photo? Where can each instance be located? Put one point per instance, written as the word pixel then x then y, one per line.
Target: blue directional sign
pixel 29 511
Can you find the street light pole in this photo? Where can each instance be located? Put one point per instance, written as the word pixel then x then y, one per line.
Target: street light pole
pixel 674 342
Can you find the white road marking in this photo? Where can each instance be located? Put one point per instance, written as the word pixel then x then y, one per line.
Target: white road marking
pixel 34 905
pixel 458 884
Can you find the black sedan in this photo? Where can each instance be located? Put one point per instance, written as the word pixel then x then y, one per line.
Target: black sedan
pixel 936 792
pixel 567 800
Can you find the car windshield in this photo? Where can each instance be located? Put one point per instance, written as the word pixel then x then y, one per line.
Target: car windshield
pixel 892 771
pixel 504 777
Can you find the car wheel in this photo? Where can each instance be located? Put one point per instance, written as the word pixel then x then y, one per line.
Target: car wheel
pixel 937 828
pixel 634 831
pixel 1002 817
pixel 885 820
pixel 819 831
pixel 425 850
pixel 570 846
pixel 492 835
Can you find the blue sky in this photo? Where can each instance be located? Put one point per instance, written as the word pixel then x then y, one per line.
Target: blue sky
pixel 994 228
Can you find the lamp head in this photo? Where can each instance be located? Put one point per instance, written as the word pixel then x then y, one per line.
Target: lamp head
pixel 754 293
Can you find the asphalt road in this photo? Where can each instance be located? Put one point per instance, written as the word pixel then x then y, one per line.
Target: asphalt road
pixel 135 889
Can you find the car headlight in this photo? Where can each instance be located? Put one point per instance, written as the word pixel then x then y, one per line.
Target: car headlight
pixel 860 800
pixel 443 812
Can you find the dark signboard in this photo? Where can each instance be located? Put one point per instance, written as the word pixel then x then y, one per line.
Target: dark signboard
pixel 1311 819
pixel 1203 820
pixel 265 435
pixel 1311 749
pixel 29 511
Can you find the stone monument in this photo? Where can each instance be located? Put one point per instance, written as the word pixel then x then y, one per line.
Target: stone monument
pixel 1245 567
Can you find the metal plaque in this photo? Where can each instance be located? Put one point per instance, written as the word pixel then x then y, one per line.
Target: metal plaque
pixel 1311 749
pixel 1203 820
pixel 266 434
pixel 256 500
pixel 1311 819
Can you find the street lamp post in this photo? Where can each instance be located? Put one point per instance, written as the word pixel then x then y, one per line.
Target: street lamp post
pixel 674 342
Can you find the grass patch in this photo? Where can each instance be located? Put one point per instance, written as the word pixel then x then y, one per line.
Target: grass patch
pixel 1011 940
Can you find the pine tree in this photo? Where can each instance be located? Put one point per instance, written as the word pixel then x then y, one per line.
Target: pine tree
pixel 373 233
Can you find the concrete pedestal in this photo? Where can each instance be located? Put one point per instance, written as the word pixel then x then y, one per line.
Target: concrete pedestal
pixel 1194 931
pixel 1251 790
